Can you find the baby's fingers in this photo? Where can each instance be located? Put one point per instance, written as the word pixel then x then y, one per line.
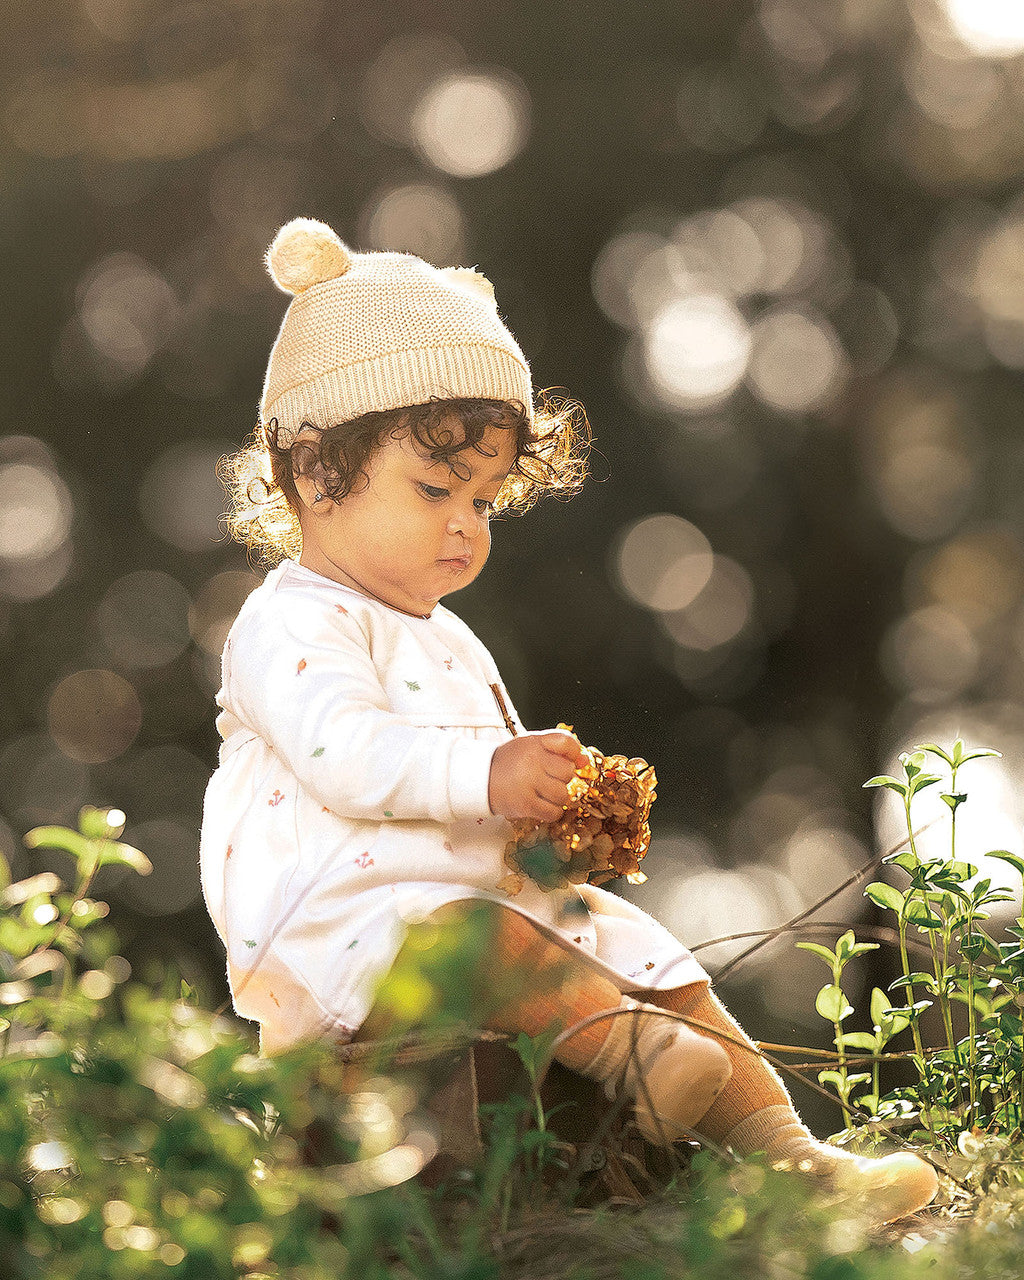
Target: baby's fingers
pixel 564 744
pixel 546 808
pixel 559 768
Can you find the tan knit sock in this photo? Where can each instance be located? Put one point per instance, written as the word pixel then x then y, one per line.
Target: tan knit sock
pixel 754 1113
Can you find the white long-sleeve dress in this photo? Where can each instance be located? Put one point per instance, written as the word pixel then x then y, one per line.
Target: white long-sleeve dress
pixel 350 798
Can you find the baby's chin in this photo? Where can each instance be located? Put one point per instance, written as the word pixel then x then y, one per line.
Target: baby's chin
pixel 460 581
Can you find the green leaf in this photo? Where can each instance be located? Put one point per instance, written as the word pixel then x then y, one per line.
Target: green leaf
pixel 81 848
pixel 960 871
pixel 935 751
pixel 892 1022
pixel 880 1002
pixel 100 824
pixel 906 860
pixel 998 895
pixel 923 780
pixel 892 784
pixel 826 955
pixel 859 1040
pixel 113 853
pixel 914 979
pixel 1004 855
pixel 531 1049
pixel 980 753
pixel 958 751
pixel 833 1078
pixel 979 890
pixel 954 799
pixel 832 1003
pixel 912 762
pixel 917 912
pixel 885 895
pixel 844 945
pixel 847 947
pixel 973 944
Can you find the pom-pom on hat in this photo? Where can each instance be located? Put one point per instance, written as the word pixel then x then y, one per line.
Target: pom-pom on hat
pixel 371 331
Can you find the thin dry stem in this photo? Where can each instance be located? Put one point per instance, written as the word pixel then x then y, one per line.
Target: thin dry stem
pixel 798 919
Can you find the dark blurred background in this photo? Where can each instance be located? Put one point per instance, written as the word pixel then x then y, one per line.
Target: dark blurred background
pixel 777 251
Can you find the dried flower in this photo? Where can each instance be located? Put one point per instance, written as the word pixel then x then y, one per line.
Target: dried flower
pixel 603 831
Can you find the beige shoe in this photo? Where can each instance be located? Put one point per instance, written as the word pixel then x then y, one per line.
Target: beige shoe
pixel 885 1187
pixel 684 1072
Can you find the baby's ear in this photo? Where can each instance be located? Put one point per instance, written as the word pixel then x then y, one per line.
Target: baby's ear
pixel 472 281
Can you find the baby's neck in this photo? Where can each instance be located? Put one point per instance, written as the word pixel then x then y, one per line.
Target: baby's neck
pixel 327 569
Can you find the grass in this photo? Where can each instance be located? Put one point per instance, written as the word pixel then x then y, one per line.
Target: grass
pixel 140 1136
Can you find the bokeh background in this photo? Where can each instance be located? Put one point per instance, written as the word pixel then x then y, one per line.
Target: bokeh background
pixel 776 249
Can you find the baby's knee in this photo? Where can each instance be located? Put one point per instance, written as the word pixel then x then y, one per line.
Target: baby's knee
pixel 708 1060
pixel 720 1066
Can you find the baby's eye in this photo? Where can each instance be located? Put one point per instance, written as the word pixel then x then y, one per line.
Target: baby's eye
pixel 484 505
pixel 432 491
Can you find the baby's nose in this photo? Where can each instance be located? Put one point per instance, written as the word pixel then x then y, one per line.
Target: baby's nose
pixel 467 522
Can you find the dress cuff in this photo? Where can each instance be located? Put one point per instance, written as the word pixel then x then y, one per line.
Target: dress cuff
pixel 470 773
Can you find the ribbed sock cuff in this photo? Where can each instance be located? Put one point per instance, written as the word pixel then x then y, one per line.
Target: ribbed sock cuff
pixel 644 1033
pixel 761 1131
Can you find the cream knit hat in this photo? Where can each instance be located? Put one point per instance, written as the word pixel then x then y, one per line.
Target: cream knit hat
pixel 375 330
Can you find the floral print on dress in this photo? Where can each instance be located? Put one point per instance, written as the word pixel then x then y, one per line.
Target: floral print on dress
pixel 414 685
pixel 276 798
pixel 318 752
pixel 301 667
pixel 364 860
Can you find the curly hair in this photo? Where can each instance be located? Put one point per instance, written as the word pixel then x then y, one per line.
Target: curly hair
pixel 260 477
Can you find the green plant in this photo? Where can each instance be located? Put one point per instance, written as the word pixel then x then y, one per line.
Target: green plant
pixel 141 1135
pixel 831 1003
pixel 968 1081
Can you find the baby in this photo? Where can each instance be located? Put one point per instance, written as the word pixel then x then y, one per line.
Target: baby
pixel 371 759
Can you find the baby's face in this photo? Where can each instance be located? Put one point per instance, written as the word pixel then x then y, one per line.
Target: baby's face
pixel 417 531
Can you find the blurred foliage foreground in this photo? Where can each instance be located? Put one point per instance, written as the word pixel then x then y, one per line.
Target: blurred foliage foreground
pixel 140 1135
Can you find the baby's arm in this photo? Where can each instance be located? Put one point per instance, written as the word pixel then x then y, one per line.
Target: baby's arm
pixel 315 696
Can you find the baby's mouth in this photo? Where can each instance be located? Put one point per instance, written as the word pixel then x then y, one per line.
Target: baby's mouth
pixel 460 562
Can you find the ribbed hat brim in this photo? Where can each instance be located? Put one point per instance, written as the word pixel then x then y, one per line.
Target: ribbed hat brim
pixel 401 378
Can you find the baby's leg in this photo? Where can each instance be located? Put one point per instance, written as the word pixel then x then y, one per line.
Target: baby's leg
pixel 540 986
pixel 754 1112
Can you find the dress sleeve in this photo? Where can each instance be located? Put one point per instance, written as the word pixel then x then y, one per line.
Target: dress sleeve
pixel 309 688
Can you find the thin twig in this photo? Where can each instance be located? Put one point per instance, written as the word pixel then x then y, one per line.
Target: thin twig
pixel 798 919
pixel 880 931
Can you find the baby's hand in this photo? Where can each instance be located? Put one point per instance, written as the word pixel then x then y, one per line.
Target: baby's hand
pixel 530 775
